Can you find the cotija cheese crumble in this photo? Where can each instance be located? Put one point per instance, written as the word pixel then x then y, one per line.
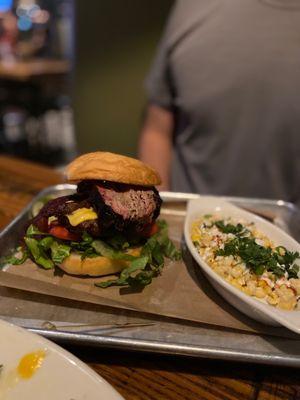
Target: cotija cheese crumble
pixel 248 260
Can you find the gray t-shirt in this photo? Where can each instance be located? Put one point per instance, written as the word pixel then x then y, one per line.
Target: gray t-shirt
pixel 230 71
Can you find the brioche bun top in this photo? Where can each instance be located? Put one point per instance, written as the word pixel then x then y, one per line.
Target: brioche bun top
pixel 111 167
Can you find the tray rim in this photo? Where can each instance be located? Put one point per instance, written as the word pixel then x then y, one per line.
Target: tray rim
pixel 155 346
pixel 159 347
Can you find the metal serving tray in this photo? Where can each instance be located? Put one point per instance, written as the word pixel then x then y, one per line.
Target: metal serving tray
pixel 87 324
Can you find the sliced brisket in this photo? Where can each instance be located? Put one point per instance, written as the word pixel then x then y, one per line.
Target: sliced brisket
pixel 124 208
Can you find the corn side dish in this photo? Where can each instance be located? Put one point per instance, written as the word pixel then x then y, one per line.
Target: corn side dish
pixel 248 260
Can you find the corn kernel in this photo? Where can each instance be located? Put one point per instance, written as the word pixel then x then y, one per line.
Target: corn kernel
pixel 272 299
pixel 260 293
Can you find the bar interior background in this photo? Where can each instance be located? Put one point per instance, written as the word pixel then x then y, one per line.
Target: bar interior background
pixel 72 74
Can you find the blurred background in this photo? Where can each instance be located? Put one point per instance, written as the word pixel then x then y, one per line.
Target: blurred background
pixel 72 75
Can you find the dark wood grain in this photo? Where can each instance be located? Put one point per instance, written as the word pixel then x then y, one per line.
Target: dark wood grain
pixel 144 376
pixel 148 376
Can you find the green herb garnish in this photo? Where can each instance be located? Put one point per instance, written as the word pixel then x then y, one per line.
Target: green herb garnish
pixel 230 228
pixel 257 257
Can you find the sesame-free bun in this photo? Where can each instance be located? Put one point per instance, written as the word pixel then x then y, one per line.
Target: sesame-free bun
pixel 95 266
pixel 112 167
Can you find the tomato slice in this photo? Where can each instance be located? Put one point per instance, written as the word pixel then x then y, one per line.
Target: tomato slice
pixel 62 233
pixel 150 230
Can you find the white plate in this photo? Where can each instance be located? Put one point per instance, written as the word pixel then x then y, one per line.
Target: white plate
pixel 61 376
pixel 248 305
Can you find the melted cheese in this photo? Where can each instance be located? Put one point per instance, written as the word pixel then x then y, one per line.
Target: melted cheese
pixel 81 215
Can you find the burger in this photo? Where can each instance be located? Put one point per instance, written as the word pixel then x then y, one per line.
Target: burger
pixel 107 226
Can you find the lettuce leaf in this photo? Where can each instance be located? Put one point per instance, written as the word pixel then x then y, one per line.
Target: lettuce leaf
pixel 142 269
pixel 14 259
pixel 126 277
pixel 46 242
pixel 48 251
pixel 38 253
pixel 59 252
pixel 33 230
pixel 103 249
pixel 118 242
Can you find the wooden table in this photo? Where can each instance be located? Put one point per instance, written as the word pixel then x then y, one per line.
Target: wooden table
pixel 144 376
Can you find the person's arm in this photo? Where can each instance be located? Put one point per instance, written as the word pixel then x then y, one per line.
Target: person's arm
pixel 155 143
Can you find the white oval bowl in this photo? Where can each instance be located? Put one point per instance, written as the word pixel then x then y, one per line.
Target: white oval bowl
pixel 248 305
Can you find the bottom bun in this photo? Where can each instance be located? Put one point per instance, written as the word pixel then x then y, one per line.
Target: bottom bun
pixel 95 266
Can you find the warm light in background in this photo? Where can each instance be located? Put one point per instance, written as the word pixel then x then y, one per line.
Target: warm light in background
pixel 30 13
pixel 5 5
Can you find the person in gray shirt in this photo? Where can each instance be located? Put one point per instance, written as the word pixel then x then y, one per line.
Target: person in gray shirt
pixel 224 99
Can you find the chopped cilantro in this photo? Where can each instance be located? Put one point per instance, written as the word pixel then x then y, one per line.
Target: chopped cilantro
pixel 257 257
pixel 230 228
